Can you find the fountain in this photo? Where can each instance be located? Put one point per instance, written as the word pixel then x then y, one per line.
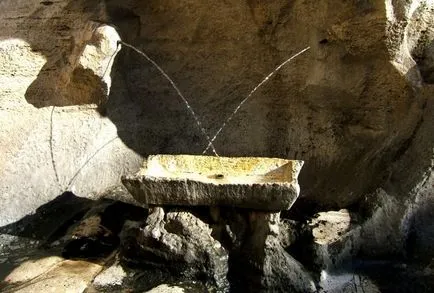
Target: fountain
pixel 250 182
pixel 244 195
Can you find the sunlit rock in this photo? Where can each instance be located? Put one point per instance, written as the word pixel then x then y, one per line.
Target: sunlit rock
pixel 248 182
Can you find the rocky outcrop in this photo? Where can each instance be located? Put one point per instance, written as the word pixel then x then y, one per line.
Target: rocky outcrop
pixel 181 246
pixel 349 106
pixel 79 110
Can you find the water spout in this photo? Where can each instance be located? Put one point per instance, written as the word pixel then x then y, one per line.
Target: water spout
pixel 172 83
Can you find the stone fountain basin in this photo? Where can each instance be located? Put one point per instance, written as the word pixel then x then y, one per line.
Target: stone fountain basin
pixel 249 182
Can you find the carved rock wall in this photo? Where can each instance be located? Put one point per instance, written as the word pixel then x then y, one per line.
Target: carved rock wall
pixel 355 106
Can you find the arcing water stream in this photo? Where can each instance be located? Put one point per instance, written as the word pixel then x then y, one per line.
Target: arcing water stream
pixel 187 104
pixel 210 144
pixel 190 109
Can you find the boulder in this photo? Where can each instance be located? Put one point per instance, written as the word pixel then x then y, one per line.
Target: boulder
pixel 180 245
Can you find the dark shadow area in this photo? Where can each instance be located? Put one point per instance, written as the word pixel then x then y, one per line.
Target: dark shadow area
pixel 31 233
pixel 68 226
pixel 396 277
pixel 425 60
pixel 149 120
pixel 149 115
pixel 142 104
pixel 64 210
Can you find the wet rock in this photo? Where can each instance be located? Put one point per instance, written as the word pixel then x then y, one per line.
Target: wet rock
pixel 180 245
pixel 347 282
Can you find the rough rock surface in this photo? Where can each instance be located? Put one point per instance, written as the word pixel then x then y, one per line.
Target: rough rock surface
pixel 258 262
pixel 181 244
pixel 328 242
pixel 55 68
pixel 247 182
pixel 165 288
pixel 328 227
pixel 111 278
pixel 349 107
pixel 357 107
pixel 96 233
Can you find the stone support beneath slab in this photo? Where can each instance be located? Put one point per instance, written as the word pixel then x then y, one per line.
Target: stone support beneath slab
pixel 233 246
pixel 177 244
pixel 260 263
pixel 239 238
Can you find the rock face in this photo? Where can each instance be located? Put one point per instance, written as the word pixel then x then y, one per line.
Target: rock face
pixel 55 68
pixel 78 110
pixel 329 242
pixel 349 107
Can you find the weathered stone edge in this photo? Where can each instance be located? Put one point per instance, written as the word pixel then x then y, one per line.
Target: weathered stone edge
pixel 261 196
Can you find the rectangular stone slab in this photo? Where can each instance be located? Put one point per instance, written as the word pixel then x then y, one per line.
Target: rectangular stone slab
pixel 249 182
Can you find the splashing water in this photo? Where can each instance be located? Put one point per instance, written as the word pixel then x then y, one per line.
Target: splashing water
pixel 210 143
pixel 172 83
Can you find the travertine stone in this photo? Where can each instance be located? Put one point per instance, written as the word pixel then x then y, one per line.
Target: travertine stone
pixel 248 182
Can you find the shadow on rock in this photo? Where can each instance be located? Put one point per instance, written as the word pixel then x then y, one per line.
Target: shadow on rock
pixel 84 230
pixel 48 219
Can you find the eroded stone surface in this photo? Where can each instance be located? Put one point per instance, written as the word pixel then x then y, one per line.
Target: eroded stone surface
pixel 353 108
pixel 178 288
pixel 348 127
pixel 328 227
pixel 258 262
pixel 181 244
pixel 247 182
pixel 335 240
